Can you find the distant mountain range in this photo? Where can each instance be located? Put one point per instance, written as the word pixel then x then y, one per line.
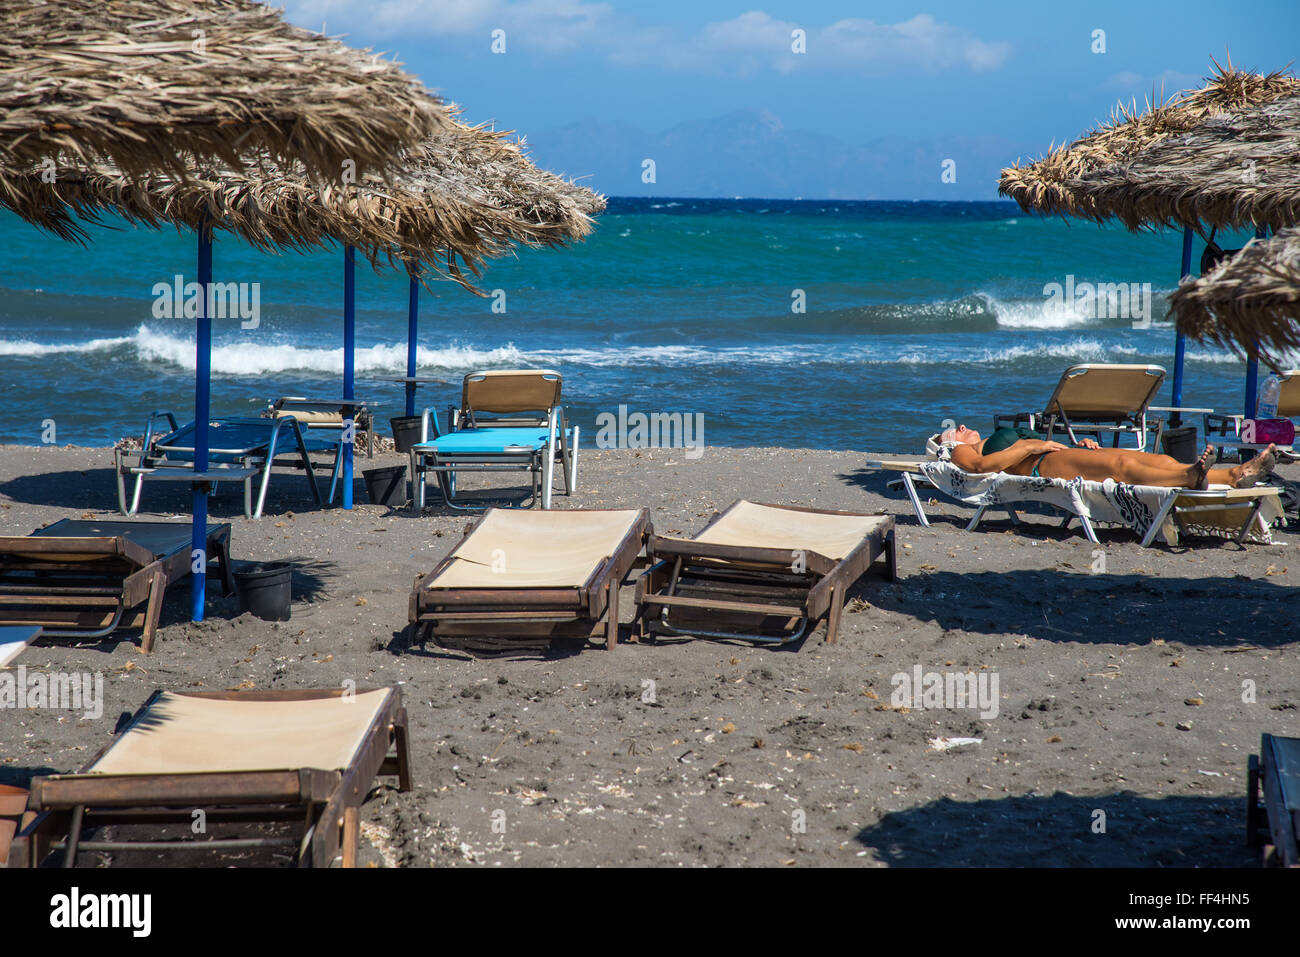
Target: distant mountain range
pixel 751 153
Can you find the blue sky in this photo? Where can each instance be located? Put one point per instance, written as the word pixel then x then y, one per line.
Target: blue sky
pixel 886 76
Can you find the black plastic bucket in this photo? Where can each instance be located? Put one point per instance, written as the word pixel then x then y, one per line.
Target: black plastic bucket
pixel 406 431
pixel 1180 443
pixel 266 590
pixel 386 486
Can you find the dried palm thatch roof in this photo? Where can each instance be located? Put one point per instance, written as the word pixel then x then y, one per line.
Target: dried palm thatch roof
pixel 147 84
pixel 1178 162
pixel 1250 300
pixel 1235 170
pixel 466 192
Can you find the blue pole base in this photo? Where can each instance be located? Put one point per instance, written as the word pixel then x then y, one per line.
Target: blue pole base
pixel 199 555
pixel 347 475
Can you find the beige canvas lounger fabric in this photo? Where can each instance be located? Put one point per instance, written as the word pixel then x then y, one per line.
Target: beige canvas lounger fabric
pixel 762 526
pixel 550 549
pixel 504 391
pixel 1105 388
pixel 181 734
pixel 522 579
pixel 1095 397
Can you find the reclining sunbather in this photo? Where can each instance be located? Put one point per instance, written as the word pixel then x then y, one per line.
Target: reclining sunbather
pixel 1017 452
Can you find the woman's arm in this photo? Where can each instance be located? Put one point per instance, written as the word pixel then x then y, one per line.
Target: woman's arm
pixel 966 457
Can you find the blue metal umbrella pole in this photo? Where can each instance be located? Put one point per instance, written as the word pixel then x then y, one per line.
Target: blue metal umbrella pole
pixel 349 361
pixel 412 333
pixel 1180 344
pixel 1252 364
pixel 202 390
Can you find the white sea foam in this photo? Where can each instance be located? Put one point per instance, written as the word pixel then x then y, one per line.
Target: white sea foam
pixel 25 347
pixel 258 357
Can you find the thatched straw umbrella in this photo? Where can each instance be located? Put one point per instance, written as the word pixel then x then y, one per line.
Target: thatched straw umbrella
pixel 1248 302
pixel 466 189
pixel 466 193
pixel 1206 156
pixel 1057 184
pixel 148 84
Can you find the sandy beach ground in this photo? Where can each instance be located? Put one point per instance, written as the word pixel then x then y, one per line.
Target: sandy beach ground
pixel 1118 692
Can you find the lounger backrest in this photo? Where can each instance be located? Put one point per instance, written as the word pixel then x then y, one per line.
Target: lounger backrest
pixel 1100 389
pixel 36 551
pixel 1288 402
pixel 306 417
pixel 509 391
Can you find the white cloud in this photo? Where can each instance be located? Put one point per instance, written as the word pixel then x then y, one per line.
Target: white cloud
pixel 744 44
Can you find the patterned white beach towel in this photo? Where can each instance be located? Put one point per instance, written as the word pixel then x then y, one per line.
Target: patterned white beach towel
pixel 1116 503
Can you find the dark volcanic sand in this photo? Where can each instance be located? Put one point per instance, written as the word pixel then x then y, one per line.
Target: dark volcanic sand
pixel 1096 673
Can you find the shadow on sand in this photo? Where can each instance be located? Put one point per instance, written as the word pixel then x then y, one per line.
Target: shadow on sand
pixel 1058 831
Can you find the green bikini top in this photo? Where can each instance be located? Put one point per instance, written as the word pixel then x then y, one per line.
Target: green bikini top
pixel 1004 438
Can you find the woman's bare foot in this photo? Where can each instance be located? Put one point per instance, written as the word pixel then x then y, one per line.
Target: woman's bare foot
pixel 1198 475
pixel 1249 473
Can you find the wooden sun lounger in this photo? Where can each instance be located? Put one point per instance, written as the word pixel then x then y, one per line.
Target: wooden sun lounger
pixel 249 757
pixel 765 573
pixel 85 579
pixel 532 575
pixel 1273 800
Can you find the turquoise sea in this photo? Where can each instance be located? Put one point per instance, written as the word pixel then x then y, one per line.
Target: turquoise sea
pixel 787 323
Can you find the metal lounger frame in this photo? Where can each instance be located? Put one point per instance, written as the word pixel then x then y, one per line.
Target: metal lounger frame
pixel 562 444
pixel 1215 500
pixel 151 464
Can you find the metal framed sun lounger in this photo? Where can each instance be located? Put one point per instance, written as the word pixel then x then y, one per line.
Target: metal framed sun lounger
pixel 1226 430
pixel 86 579
pixel 240 449
pixel 242 757
pixel 329 414
pixel 1273 800
pixel 1234 509
pixel 508 420
pixel 763 573
pixel 532 575
pixel 1095 399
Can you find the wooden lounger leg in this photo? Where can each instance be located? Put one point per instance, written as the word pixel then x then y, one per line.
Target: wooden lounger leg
pixel 891 556
pixel 222 549
pixel 1253 823
pixel 401 744
pixel 153 609
pixel 611 611
pixel 74 836
pixel 833 615
pixel 351 835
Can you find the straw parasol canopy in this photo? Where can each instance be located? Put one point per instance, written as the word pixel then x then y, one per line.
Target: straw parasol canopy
pixel 149 85
pixel 1249 302
pixel 467 192
pixel 1217 156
